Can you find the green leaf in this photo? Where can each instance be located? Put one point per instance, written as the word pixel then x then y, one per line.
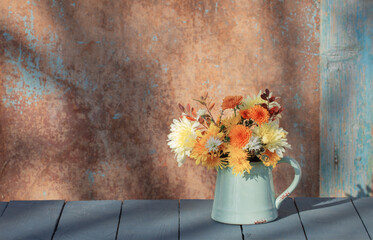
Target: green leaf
pixel 201 102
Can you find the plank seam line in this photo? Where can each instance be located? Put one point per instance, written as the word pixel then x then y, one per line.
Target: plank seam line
pixel 361 219
pixel 178 228
pixel 58 220
pixel 243 236
pixel 300 219
pixel 7 204
pixel 120 216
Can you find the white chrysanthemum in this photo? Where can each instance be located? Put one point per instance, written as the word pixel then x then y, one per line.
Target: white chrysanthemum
pixel 272 137
pixel 253 144
pixel 182 138
pixel 250 102
pixel 213 144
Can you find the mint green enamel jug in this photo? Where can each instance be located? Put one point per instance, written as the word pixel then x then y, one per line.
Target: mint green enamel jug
pixel 250 199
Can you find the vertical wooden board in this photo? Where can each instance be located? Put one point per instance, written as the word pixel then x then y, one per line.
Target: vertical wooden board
pixel 196 223
pixel 86 220
pixel 364 207
pixel 287 226
pixel 30 220
pixel 330 218
pixel 346 98
pixel 149 219
pixel 2 207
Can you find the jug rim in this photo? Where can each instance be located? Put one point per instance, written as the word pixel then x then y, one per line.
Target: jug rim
pixel 251 163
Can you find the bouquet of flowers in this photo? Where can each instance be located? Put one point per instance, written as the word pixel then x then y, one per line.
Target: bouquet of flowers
pixel 247 130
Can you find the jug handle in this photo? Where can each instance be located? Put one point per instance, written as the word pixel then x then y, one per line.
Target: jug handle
pixel 293 185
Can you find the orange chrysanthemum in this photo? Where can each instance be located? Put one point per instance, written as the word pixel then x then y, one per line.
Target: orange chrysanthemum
pixel 257 113
pixel 231 102
pixel 239 136
pixel 270 158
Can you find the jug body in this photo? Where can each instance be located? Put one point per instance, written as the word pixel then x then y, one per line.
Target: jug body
pixel 247 199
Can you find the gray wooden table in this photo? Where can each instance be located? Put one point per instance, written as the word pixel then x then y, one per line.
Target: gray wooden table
pixel 299 218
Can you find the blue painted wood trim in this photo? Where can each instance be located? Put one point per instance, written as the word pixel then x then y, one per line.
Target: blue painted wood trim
pixel 346 81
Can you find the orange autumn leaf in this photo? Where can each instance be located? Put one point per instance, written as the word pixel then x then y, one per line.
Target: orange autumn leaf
pixel 212 106
pixel 190 118
pixel 231 102
pixel 194 112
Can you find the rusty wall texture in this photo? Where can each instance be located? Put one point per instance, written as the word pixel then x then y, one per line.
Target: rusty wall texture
pixel 89 89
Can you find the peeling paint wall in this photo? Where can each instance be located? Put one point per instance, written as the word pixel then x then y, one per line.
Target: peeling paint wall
pixel 89 89
pixel 346 98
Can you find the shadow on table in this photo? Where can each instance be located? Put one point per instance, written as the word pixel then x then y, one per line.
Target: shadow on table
pixel 286 226
pixel 307 203
pixel 30 219
pixel 330 218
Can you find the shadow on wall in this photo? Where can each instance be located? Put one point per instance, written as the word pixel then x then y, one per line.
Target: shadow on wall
pixel 108 91
pixel 100 126
pixel 367 192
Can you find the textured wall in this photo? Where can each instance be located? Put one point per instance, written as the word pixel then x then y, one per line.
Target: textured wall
pixel 89 88
pixel 346 98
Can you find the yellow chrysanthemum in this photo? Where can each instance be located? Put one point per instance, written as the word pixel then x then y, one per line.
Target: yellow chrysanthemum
pixel 205 153
pixel 231 121
pixel 238 160
pixel 250 102
pixel 182 138
pixel 272 137
pixel 213 160
pixel 269 158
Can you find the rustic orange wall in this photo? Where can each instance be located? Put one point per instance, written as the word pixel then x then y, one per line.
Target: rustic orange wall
pixel 89 88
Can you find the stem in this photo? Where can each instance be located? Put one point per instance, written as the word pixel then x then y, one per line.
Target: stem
pixel 221 115
pixel 212 118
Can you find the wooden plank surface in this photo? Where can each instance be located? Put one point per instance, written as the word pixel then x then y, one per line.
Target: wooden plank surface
pixel 2 207
pixel 287 226
pixel 149 219
pixel 364 206
pixel 330 218
pixel 196 223
pixel 30 220
pixel 87 220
